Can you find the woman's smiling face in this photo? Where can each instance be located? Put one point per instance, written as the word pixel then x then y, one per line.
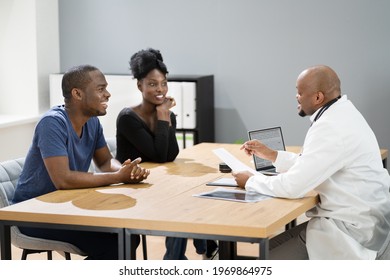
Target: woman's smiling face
pixel 154 87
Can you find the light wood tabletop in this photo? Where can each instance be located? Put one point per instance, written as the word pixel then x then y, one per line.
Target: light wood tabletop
pixel 162 205
pixel 164 198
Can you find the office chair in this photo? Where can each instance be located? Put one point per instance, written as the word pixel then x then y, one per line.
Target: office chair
pixel 384 253
pixel 9 174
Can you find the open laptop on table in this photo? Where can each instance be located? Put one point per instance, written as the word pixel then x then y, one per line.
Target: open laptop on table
pixel 272 138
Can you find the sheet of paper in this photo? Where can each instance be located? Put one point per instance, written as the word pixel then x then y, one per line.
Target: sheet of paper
pixel 234 163
pixel 229 182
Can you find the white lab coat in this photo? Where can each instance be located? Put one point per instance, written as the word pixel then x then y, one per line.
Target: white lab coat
pixel 341 161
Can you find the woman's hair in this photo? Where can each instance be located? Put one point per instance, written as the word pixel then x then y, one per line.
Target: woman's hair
pixel 144 61
pixel 76 77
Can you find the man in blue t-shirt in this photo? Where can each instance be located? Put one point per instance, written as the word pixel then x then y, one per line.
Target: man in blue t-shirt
pixel 65 141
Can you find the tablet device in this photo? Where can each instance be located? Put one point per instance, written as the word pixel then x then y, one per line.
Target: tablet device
pixel 233 195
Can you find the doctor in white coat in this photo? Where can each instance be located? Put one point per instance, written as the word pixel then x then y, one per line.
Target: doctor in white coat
pixel 341 161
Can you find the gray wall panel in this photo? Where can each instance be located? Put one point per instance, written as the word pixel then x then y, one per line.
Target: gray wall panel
pixel 255 49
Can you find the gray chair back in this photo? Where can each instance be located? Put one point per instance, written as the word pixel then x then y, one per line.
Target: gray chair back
pixel 9 175
pixel 384 253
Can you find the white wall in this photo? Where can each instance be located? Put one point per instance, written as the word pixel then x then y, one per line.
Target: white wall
pixel 29 52
pixel 48 48
pixel 18 67
pixel 16 135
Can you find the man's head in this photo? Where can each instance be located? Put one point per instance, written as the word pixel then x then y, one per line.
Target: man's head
pixel 316 86
pixel 85 87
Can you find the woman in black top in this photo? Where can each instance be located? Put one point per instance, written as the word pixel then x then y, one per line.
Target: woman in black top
pixel 148 130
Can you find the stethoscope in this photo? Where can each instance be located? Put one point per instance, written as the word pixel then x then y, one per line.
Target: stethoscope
pixel 326 107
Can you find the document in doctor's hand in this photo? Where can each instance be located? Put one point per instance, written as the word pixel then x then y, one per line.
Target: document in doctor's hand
pixel 234 163
pixel 226 182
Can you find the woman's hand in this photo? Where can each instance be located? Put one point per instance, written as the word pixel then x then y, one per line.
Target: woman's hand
pixel 168 103
pixel 163 109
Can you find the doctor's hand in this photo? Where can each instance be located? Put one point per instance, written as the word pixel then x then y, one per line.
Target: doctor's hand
pixel 241 178
pixel 255 147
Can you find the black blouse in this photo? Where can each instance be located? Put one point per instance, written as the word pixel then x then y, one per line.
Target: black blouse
pixel 135 139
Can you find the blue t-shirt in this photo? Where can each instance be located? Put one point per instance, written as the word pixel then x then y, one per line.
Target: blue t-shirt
pixel 55 136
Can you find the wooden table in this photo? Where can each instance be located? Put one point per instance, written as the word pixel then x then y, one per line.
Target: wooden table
pixel 162 205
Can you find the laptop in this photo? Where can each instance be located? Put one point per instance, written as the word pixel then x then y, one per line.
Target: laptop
pixel 272 138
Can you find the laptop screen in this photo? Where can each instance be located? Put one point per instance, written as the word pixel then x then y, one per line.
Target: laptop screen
pixel 272 138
